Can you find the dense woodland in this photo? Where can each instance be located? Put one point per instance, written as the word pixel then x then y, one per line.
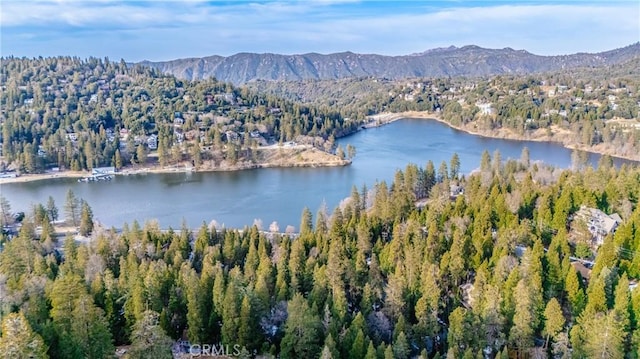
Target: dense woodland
pixel 597 106
pixel 379 277
pixel 80 114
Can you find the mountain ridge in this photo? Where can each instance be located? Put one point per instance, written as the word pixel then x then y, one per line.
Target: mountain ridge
pixel 469 60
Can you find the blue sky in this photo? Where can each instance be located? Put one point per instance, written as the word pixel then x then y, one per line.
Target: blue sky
pixel 164 30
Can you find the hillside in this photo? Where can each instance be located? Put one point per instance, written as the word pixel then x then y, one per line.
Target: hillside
pixel 452 61
pixel 74 114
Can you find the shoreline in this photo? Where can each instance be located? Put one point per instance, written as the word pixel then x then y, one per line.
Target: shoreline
pixel 383 119
pixel 376 120
pixel 166 170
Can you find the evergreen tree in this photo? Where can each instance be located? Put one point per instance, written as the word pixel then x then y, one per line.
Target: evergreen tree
pixel 86 219
pixel 521 334
pixel 454 166
pixel 52 210
pixel 148 340
pixel 72 209
pixel 230 314
pixel 554 320
pixel 574 291
pixel 18 339
pixel 6 217
pixel 141 154
pixel 80 326
pixel 358 348
pixel 302 331
pixel 306 222
pixel 485 161
pixel 247 334
pixel 401 349
pixel 117 160
pixel 603 336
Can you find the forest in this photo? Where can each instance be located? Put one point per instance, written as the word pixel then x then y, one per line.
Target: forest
pixel 495 264
pixel 74 114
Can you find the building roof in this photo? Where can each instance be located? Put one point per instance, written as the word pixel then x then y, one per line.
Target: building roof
pixel 584 271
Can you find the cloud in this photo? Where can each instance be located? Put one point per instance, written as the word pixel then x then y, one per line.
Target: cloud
pixel 164 30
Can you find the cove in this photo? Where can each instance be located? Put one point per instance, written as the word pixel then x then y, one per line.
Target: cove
pixel 236 199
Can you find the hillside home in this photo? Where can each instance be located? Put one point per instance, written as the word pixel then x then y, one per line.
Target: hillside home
pixel 599 223
pixel 455 190
pixel 485 108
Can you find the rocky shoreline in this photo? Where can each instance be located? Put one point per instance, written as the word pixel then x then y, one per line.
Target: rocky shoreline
pixel 558 135
pixel 293 157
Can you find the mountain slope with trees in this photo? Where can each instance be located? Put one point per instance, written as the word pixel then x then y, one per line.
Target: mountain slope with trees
pixel 78 114
pixel 444 62
pixel 593 109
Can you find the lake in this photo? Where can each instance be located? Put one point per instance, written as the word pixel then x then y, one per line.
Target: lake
pixel 236 199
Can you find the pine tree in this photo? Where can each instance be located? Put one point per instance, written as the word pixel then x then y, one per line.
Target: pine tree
pixel 196 319
pixel 72 209
pixel 603 336
pixel 521 334
pixel 371 351
pixel 306 222
pixel 358 347
pixel 525 157
pixel 18 339
pixel 230 314
pixel 326 353
pixel 141 154
pixel 331 347
pixel 388 352
pixel 52 210
pixel 86 219
pixel 401 349
pixel 80 326
pixel 454 166
pixel 575 293
pixel 148 340
pixel 247 334
pixel 485 161
pixel 554 320
pixel 91 330
pixel 117 160
pixel 302 331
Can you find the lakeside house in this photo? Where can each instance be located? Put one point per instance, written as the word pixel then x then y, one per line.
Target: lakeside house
pixel 152 142
pixel 103 171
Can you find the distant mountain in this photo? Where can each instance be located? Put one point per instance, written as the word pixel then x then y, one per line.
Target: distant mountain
pixel 450 61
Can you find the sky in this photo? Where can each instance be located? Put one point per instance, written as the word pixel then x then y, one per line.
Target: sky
pixel 160 30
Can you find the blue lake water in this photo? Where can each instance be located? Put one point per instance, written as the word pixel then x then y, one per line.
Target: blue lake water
pixel 236 199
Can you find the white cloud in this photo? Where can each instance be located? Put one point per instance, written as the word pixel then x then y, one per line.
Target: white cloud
pixel 165 30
